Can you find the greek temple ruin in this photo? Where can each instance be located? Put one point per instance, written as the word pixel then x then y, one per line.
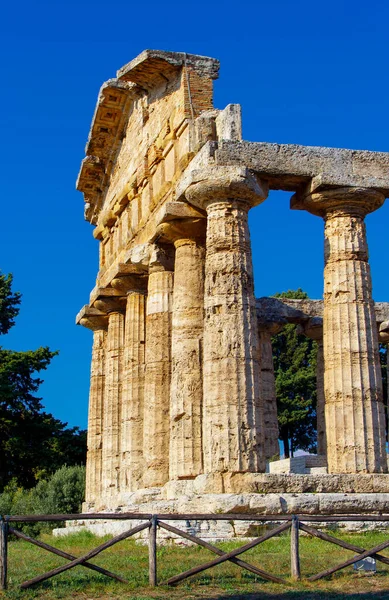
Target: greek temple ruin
pixel 182 392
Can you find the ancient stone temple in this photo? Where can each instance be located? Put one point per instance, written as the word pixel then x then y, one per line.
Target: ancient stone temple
pixel 182 393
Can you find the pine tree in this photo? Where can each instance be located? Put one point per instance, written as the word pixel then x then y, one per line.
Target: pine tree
pixel 32 443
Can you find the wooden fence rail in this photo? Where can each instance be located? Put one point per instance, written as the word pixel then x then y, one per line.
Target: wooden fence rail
pixel 295 523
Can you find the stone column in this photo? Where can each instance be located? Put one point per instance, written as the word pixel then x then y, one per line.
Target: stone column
pixel 314 330
pixel 112 400
pixel 186 392
pixel 384 339
pixel 95 412
pixel 133 393
pixel 268 388
pixel 354 410
pixel 158 373
pixel 233 438
pixel 132 411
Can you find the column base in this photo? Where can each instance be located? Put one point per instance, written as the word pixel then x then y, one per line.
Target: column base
pixel 270 495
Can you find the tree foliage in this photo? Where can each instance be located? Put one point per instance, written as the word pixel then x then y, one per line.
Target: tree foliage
pixel 61 493
pixel 294 357
pixel 33 443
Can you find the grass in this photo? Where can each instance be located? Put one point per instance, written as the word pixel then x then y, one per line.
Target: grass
pixel 224 582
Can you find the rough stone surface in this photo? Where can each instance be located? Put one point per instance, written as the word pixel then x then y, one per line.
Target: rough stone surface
pixel 355 420
pixel 132 416
pixel 186 394
pixel 232 413
pixel 182 398
pixel 112 408
pixel 95 418
pixel 268 389
pixel 157 378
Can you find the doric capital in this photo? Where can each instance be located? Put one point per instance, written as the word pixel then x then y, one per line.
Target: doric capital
pixel 129 283
pixel 91 318
pixel 344 200
pixel 181 230
pixel 218 184
pixel 384 332
pixel 108 300
pixel 313 328
pixel 271 327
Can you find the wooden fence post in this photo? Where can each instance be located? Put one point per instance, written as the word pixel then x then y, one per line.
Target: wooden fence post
pixel 153 551
pixel 3 554
pixel 294 549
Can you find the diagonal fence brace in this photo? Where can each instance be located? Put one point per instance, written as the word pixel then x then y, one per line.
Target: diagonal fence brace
pixel 349 562
pixel 58 552
pixel 86 557
pixel 217 550
pixel 333 540
pixel 229 555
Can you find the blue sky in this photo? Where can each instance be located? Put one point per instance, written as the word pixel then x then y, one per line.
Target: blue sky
pixel 305 72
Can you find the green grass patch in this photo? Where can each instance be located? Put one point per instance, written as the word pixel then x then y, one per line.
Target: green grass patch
pixel 223 582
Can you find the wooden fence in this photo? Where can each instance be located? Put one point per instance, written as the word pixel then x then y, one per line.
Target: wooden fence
pixel 295 523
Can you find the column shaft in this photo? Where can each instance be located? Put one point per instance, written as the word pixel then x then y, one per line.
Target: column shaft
pixel 95 419
pixel 186 386
pixel 354 410
pixel 232 417
pixel 157 378
pixel 112 406
pixel 268 396
pixel 131 470
pixel 320 401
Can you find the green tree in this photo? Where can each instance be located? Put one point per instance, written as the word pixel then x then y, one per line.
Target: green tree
pixel 294 358
pixel 33 443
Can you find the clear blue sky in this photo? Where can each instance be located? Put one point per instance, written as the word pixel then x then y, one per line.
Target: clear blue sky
pixel 305 72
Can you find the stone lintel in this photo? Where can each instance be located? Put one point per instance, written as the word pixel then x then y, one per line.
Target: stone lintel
pixel 151 66
pixel 288 310
pixel 289 166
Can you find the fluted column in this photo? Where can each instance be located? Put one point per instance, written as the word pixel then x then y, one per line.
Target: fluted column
pixel 157 377
pixel 132 282
pixel 133 393
pixel 95 411
pixel 112 398
pixel 354 410
pixel 314 330
pixel 186 392
pixel 268 389
pixel 233 438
